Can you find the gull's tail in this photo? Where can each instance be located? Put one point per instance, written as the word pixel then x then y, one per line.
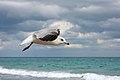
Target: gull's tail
pixel 29 39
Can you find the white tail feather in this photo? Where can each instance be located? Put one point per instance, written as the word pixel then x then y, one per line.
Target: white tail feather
pixel 29 39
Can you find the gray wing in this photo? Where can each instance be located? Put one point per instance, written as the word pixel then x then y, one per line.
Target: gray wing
pixel 51 36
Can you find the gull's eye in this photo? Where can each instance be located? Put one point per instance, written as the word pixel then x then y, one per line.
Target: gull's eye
pixel 62 40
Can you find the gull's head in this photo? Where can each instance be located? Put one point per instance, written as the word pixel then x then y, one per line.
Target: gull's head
pixel 63 41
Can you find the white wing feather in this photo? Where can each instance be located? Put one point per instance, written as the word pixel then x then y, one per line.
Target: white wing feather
pixel 28 40
pixel 39 34
pixel 44 32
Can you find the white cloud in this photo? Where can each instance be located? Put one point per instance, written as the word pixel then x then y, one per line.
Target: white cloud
pixel 23 34
pixel 88 35
pixel 116 3
pixel 1 44
pixel 76 46
pixel 62 25
pixel 102 11
pixel 112 23
pixel 99 41
pixel 90 8
pixel 31 9
pixel 109 43
pixel 19 35
pixel 12 41
pixel 12 44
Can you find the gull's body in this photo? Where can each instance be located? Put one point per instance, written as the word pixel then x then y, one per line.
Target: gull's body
pixel 51 38
pixel 55 42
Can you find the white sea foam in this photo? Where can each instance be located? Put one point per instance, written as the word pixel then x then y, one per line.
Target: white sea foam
pixel 39 74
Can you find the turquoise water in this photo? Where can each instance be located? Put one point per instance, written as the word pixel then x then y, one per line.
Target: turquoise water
pixel 60 68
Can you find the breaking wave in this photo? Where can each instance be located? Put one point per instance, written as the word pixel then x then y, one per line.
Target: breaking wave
pixel 54 74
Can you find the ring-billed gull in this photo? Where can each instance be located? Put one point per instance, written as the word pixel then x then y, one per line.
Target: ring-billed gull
pixel 51 38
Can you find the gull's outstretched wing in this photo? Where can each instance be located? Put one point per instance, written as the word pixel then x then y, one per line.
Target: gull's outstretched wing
pixel 51 36
pixel 29 39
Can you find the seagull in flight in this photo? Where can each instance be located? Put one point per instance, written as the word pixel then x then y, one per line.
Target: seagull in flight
pixel 51 38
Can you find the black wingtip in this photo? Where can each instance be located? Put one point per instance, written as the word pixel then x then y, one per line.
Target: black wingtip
pixel 24 49
pixel 58 31
pixel 27 47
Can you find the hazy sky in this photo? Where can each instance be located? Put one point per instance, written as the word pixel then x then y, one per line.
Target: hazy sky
pixel 95 27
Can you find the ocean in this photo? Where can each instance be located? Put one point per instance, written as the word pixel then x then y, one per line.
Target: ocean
pixel 80 68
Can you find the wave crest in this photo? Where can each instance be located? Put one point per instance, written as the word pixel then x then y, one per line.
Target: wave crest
pixel 54 74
